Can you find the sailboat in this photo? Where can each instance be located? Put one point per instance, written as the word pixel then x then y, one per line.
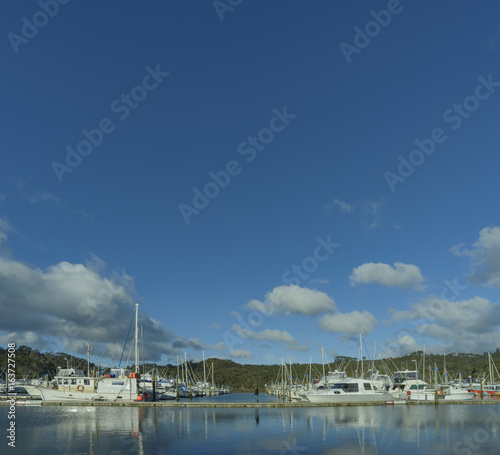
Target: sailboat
pixel 492 389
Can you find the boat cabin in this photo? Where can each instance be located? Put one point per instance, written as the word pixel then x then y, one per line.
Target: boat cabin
pixel 405 375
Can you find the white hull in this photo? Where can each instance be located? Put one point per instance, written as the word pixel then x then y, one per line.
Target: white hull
pixel 459 396
pixel 58 395
pixel 348 398
pixel 115 389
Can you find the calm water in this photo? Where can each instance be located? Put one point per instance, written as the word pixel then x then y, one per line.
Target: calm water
pixel 402 430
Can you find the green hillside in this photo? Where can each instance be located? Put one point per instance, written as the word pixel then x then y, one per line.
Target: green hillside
pixel 34 364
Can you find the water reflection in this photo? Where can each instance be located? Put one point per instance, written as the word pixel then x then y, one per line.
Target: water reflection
pixel 366 429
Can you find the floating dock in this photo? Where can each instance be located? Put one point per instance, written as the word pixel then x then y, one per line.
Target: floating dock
pixel 183 404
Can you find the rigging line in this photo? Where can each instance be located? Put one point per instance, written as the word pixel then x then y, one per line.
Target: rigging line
pixel 130 326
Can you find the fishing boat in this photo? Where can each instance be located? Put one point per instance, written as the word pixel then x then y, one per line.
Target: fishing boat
pixel 71 384
pixel 490 389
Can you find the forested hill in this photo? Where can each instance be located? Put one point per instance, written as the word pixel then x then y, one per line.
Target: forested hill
pixel 34 364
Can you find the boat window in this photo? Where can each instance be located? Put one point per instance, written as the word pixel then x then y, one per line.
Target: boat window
pixel 59 381
pixel 86 381
pixel 346 387
pixel 66 381
pixel 73 382
pixel 367 386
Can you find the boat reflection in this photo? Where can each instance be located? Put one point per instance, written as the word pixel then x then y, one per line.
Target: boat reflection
pixel 353 429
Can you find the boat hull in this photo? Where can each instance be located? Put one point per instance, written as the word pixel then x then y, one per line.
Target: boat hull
pixel 462 396
pixel 116 389
pixel 348 398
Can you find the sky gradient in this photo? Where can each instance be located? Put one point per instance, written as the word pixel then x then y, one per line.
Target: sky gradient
pixel 263 178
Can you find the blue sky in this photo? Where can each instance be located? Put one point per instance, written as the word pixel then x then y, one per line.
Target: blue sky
pixel 249 172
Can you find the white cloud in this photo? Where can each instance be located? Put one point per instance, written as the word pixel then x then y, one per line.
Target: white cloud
pixel 369 213
pixel 43 196
pixel 241 354
pixel 348 323
pixel 219 346
pixel 485 257
pixel 66 303
pixel 4 228
pixel 343 206
pixel 401 275
pixel 267 334
pixel 476 315
pixel 466 326
pixel 293 299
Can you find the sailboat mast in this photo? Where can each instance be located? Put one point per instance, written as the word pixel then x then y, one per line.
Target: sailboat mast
pixel 491 379
pixel 323 360
pixel 136 338
pixel 423 366
pixel 361 346
pixel 204 375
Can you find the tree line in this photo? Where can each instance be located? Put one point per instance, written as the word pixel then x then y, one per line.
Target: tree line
pixel 32 364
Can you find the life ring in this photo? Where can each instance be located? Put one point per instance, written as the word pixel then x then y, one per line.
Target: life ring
pixel 80 388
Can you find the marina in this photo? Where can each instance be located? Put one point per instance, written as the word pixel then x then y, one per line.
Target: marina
pixel 246 427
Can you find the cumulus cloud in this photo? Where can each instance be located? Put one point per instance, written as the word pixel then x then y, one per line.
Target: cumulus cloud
pixel 485 257
pixel 348 323
pixel 475 315
pixel 467 326
pixel 293 299
pixel 267 334
pixel 241 354
pixel 58 307
pixel 403 276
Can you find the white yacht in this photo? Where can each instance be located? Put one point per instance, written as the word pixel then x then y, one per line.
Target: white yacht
pixel 349 390
pixel 447 392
